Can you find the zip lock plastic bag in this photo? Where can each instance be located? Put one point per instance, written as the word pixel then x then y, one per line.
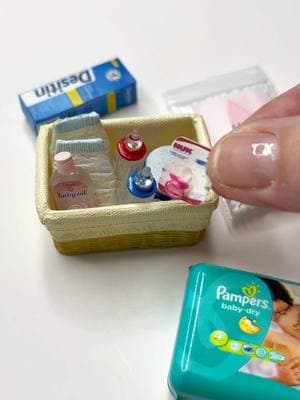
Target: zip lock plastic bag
pixel 225 102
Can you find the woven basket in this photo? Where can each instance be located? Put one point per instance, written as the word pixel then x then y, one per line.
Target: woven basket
pixel 120 227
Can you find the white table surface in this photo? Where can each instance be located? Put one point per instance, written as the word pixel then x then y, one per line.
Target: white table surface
pixel 102 326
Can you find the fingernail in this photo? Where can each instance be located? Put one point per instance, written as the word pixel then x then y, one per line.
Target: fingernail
pixel 245 160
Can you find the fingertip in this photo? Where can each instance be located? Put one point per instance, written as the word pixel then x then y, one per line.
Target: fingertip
pixel 259 165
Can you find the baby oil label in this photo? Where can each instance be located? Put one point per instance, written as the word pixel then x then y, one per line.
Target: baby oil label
pixel 230 315
pixel 70 195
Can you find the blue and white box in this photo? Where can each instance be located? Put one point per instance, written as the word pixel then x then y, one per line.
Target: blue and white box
pixel 103 88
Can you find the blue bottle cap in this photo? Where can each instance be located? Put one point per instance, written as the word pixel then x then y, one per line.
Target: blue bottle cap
pixel 142 184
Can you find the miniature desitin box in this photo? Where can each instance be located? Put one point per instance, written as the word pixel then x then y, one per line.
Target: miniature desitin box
pixel 238 337
pixel 103 88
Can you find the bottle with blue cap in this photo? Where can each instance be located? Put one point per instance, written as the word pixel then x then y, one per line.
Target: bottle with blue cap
pixel 141 187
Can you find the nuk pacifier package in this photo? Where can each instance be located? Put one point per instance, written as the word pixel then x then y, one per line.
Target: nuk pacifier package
pixel 238 337
pixel 184 176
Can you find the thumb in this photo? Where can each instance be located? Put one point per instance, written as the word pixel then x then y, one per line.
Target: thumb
pixel 259 164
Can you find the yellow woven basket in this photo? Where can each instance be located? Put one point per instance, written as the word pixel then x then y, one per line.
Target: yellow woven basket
pixel 120 227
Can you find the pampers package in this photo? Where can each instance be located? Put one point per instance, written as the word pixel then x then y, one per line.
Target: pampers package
pixel 103 88
pixel 238 337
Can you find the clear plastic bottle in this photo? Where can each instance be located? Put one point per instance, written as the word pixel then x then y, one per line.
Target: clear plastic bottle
pixel 141 187
pixel 71 186
pixel 130 156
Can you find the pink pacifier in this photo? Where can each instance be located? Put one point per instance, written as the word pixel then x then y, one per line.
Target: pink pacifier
pixel 176 186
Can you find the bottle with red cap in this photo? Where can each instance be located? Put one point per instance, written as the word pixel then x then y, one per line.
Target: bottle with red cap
pixel 130 156
pixel 71 186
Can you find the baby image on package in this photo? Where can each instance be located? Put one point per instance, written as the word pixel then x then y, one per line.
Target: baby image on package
pixel 283 337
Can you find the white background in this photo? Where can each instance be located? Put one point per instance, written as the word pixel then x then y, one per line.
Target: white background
pixel 102 326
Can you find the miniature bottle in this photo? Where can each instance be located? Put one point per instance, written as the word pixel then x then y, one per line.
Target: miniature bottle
pixel 71 186
pixel 130 156
pixel 141 187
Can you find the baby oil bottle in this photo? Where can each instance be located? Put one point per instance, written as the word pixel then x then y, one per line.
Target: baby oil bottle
pixel 71 186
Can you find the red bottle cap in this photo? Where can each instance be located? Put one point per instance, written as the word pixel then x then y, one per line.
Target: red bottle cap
pixel 132 147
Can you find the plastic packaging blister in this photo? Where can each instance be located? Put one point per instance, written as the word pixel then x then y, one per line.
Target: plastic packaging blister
pixel 184 175
pixel 225 102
